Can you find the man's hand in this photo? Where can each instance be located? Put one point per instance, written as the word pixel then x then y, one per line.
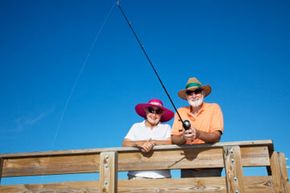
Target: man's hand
pixel 190 134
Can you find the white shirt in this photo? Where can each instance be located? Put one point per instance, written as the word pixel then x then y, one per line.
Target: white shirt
pixel 139 131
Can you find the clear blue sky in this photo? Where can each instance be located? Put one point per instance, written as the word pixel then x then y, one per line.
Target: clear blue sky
pixel 71 72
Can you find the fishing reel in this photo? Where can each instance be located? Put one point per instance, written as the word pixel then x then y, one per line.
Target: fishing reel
pixel 186 124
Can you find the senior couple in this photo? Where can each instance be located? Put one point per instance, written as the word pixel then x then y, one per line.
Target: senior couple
pixel 206 121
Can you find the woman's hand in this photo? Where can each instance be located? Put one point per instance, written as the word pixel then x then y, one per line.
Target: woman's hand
pixel 147 146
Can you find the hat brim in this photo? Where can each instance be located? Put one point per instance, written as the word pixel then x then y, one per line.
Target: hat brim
pixel 206 89
pixel 166 116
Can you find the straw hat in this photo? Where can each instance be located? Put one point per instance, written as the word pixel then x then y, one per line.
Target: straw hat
pixel 166 115
pixel 193 84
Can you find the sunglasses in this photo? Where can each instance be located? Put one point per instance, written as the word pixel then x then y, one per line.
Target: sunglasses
pixel 154 110
pixel 190 92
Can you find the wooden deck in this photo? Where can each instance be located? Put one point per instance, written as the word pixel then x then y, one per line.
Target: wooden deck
pixel 233 156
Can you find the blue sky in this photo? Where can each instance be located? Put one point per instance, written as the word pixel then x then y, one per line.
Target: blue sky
pixel 71 72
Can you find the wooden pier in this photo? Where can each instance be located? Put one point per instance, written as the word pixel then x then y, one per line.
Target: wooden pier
pixel 232 156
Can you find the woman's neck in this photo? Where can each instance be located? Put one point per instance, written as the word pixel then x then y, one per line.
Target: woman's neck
pixel 148 124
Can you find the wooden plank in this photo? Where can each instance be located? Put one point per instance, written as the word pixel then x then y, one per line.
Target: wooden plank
pixel 131 149
pixel 190 158
pixel 275 171
pixel 51 165
pixel 133 160
pixel 283 167
pixel 204 185
pixel 279 181
pixel 255 184
pixel 255 156
pixel 185 185
pixel 234 171
pixel 173 159
pixel 67 187
pixel 108 172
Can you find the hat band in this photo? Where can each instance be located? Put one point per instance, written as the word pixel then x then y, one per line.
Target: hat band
pixel 155 103
pixel 192 84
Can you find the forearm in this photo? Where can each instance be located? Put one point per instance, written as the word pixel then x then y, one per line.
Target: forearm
pixel 129 143
pixel 162 142
pixel 208 137
pixel 178 139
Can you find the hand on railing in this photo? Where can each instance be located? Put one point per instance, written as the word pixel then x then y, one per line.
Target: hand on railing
pixel 147 146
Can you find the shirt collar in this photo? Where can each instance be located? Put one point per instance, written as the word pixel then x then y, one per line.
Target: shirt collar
pixel 199 111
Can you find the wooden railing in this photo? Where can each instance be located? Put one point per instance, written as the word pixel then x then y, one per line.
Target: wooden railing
pixel 232 156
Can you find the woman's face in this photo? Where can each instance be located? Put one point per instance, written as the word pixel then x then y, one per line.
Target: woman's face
pixel 153 115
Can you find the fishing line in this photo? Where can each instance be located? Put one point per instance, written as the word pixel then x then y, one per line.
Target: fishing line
pixel 185 123
pixel 79 75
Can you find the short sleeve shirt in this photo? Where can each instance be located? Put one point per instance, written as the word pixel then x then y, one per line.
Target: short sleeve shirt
pixel 139 131
pixel 209 119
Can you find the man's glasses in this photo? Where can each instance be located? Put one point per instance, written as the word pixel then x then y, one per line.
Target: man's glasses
pixel 154 110
pixel 196 91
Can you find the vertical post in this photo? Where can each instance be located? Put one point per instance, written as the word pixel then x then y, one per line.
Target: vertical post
pixel 234 171
pixel 1 168
pixel 108 172
pixel 279 172
pixel 283 166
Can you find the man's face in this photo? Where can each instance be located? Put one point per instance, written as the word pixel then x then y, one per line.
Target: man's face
pixel 195 97
pixel 153 115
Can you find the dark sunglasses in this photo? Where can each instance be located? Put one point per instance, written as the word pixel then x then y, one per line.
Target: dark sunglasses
pixel 155 111
pixel 196 91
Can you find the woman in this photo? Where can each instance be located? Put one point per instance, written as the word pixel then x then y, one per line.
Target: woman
pixel 148 133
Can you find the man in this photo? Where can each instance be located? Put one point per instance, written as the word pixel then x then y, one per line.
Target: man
pixel 148 133
pixel 206 121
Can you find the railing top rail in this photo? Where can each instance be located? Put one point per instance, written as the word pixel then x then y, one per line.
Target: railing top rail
pixel 269 143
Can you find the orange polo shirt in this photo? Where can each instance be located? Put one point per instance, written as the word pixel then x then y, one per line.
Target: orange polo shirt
pixel 209 118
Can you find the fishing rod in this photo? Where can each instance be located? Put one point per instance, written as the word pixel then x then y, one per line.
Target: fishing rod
pixel 186 124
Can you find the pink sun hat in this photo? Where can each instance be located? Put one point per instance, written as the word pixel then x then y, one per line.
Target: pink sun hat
pixel 166 116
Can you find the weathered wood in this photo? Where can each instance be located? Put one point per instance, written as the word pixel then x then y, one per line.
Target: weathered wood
pixel 108 172
pixel 194 185
pixel 128 149
pixel 283 166
pixel 275 171
pixel 279 180
pixel 185 185
pixel 205 185
pixel 191 158
pixel 182 157
pixel 173 159
pixel 66 187
pixel 234 171
pixel 255 156
pixel 51 165
pixel 106 161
